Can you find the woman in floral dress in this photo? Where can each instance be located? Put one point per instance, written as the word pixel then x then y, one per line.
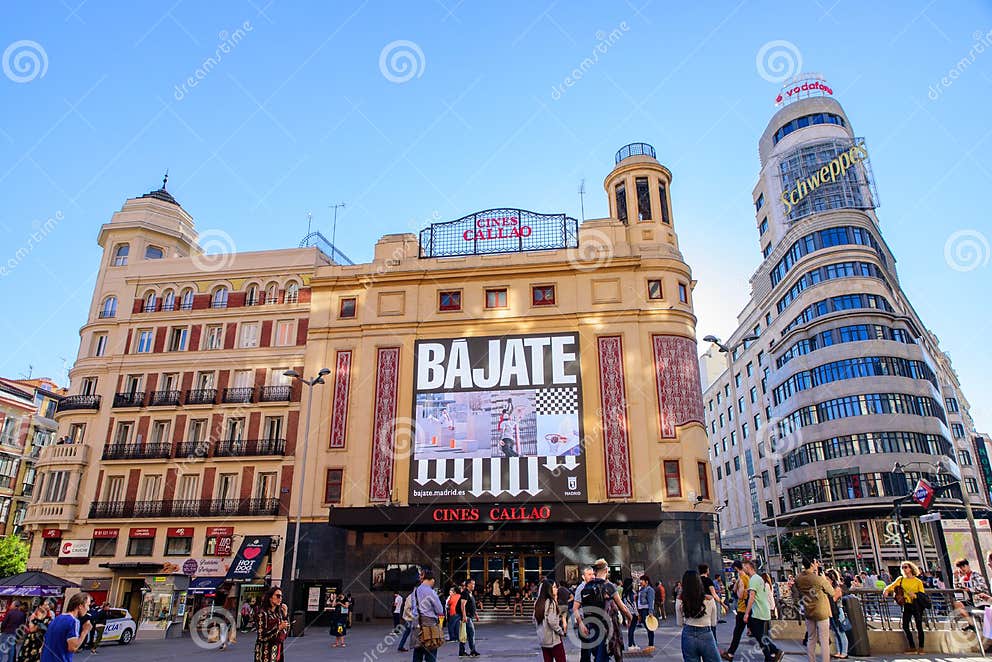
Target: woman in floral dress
pixel 273 627
pixel 34 639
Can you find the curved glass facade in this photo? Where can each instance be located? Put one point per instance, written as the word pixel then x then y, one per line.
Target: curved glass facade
pixel 864 366
pixel 829 272
pixel 861 486
pixel 861 405
pixel 815 241
pixel 807 120
pixel 843 334
pixel 867 443
pixel 834 304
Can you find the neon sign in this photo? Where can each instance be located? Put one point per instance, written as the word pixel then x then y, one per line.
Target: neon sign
pixel 494 514
pixel 499 231
pixel 803 87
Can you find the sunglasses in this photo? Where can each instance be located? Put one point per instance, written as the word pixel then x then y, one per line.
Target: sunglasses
pixel 277 595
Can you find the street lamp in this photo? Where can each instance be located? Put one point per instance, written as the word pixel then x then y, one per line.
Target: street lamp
pixel 729 353
pixel 778 541
pixel 319 379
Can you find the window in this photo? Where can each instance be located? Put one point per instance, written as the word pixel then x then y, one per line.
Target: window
pixel 120 255
pixel 169 300
pixel 123 435
pixel 972 485
pixel 450 300
pixel 654 289
pixel 215 337
pixel 765 479
pixel 227 486
pixel 763 228
pixel 149 304
pixel 757 422
pixel 104 547
pixel 704 480
pixel 348 307
pixel 88 386
pixel 754 394
pixel 804 121
pixel 964 458
pixel 737 463
pixel 496 298
pixel 114 489
pixel 160 432
pixel 749 369
pixel 100 344
pixel 719 473
pixel 332 486
pixel 285 333
pixel 197 430
pixel 145 338
pixel 683 293
pixel 673 480
pixel 219 299
pixel 744 430
pixel 663 201
pixel 957 430
pixel 272 293
pixel 643 199
pixel 737 380
pixel 177 339
pixel 543 295
pixel 154 253
pixel 272 429
pixel 140 546
pixel 952 405
pixel 186 301
pixel 292 293
pixel 266 486
pixel 179 545
pixel 51 546
pixel 151 486
pixel 251 295
pixel 109 308
pixel 76 431
pixel 621 197
pixel 189 487
pixel 760 202
pixel 248 335
pixel 766 250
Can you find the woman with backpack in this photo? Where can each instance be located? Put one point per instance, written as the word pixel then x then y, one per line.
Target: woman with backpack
pixel 696 613
pixel 909 593
pixel 550 633
pixel 838 619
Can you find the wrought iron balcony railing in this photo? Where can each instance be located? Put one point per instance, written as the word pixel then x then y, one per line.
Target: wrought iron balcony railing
pixel 75 402
pixel 164 398
pixel 193 449
pixel 239 395
pixel 201 396
pixel 275 393
pixel 249 447
pixel 129 399
pixel 156 451
pixel 185 508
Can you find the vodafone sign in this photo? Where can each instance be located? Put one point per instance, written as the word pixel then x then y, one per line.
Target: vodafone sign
pixel 803 87
pixel 74 549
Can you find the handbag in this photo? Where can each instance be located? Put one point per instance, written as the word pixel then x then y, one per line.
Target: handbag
pixel 431 636
pixel 843 621
pixel 900 594
pixel 923 601
pixel 463 633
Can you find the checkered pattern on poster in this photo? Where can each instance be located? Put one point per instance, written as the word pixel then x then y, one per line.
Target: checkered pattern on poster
pixel 552 401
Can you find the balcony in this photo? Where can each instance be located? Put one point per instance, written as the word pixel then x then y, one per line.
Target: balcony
pixel 185 508
pixel 159 451
pixel 242 395
pixel 78 402
pixel 192 449
pixel 129 399
pixel 275 393
pixel 201 396
pixel 250 447
pixel 64 454
pixel 164 398
pixel 51 514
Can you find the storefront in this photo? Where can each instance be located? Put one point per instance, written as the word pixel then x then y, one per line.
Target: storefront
pixel 163 607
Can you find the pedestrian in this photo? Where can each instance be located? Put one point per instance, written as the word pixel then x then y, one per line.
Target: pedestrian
pixel 397 611
pixel 644 603
pixel 659 600
pixel 815 593
pixel 273 627
pixel 550 634
pixel 497 590
pixel 588 574
pixel 518 600
pixel 594 628
pixel 468 612
pixel 407 623
pixel 34 633
pixel 564 599
pixel 451 608
pixel 65 635
pixel 972 584
pixel 696 613
pixel 222 597
pixel 339 620
pixel 909 592
pixel 245 616
pixel 231 613
pixel 10 625
pixel 347 609
pixel 427 613
pixel 99 617
pixel 837 615
pixel 709 588
pixel 772 593
pixel 758 613
pixel 739 594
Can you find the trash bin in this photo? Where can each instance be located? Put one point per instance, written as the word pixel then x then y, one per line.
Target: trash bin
pixel 299 624
pixel 857 638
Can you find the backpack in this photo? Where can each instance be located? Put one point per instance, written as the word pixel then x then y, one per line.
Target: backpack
pixel 594 595
pixel 408 609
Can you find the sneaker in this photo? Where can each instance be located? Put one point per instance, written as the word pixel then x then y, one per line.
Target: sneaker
pixel 727 656
pixel 474 654
pixel 779 655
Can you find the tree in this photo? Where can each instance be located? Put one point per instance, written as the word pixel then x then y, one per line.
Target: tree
pixel 13 556
pixel 800 546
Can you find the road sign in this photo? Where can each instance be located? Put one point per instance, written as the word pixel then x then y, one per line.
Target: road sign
pixel 932 517
pixel 923 493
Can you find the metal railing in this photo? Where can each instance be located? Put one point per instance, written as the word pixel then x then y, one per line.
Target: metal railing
pixel 76 402
pixel 193 449
pixel 185 508
pixel 164 398
pixel 157 451
pixel 883 613
pixel 129 399
pixel 241 395
pixel 635 149
pixel 201 396
pixel 275 393
pixel 249 447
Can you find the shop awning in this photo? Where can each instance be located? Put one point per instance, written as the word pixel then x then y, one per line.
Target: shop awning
pixel 205 584
pixel 34 584
pixel 137 566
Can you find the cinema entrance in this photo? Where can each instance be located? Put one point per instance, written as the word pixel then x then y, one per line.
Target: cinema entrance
pixel 488 562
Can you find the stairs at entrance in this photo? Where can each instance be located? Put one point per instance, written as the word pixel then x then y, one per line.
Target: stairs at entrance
pixel 504 614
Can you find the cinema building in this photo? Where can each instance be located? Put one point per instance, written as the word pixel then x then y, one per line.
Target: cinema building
pixel 832 377
pixel 510 394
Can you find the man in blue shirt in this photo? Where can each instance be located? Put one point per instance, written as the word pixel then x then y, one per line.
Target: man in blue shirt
pixel 427 610
pixel 64 636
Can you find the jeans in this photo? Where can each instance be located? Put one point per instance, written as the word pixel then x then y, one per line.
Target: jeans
pixel 591 650
pixel 643 614
pixel 818 631
pixel 759 629
pixel 397 619
pixel 453 622
pixel 839 636
pixel 470 630
pixel 407 629
pixel 424 655
pixel 738 631
pixel 8 645
pixel 910 612
pixel 698 644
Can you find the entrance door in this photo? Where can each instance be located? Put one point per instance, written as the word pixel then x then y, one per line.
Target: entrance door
pixel 520 563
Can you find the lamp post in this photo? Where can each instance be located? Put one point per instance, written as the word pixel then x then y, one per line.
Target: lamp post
pixel 319 379
pixel 778 541
pixel 729 353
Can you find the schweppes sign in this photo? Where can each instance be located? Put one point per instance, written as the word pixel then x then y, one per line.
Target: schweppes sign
pixel 837 168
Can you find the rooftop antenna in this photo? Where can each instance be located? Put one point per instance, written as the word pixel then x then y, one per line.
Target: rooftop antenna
pixel 29 373
pixel 334 227
pixel 165 180
pixel 309 221
pixel 582 198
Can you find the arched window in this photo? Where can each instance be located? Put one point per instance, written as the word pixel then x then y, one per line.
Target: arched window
pixel 109 307
pixel 169 300
pixel 120 255
pixel 154 253
pixel 272 293
pixel 186 300
pixel 292 292
pixel 251 295
pixel 219 299
pixel 150 302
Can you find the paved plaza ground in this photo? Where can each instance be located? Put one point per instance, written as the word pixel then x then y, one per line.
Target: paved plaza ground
pixel 495 642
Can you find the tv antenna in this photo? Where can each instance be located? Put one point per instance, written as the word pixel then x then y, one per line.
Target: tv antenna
pixel 309 222
pixel 334 227
pixel 582 198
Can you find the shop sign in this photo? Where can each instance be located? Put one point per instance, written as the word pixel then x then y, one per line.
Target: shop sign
pixel 803 88
pixel 249 558
pixel 140 532
pixel 220 531
pixel 829 173
pixel 105 534
pixel 499 231
pixel 75 549
pixel 51 533
pixel 494 514
pixel 205 567
pixel 179 532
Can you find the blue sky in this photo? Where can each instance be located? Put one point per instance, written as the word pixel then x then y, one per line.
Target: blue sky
pixel 298 115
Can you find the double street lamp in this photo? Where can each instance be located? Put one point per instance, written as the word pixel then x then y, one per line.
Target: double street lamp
pixel 319 379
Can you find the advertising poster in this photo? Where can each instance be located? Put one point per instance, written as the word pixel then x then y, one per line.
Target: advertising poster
pixel 497 419
pixel 960 545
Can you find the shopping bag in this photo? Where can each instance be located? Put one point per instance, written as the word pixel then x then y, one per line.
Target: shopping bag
pixel 463 633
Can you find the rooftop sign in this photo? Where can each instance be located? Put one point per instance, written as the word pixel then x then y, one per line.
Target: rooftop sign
pixel 499 231
pixel 803 86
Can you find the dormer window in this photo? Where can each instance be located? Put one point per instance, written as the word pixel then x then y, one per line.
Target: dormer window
pixel 219 299
pixel 187 299
pixel 154 253
pixel 120 255
pixel 150 301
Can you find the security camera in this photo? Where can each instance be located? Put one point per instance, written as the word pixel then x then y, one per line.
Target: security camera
pixel 699 499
